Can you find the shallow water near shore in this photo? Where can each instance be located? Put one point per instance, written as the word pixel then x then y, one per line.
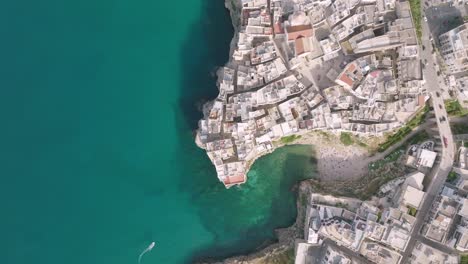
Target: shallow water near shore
pixel 99 102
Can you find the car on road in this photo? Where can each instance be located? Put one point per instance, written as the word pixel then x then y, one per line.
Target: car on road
pixel 445 141
pixel 440 106
pixel 425 18
pixel 438 94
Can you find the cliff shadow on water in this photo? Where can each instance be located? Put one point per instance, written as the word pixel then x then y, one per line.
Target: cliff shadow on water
pixel 271 203
pixel 241 219
pixel 205 50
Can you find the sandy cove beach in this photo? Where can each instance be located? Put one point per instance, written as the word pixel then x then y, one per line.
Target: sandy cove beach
pixel 336 161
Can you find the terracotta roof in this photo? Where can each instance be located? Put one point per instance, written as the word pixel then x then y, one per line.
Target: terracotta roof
pixel 351 67
pixel 421 100
pixel 299 44
pixel 235 179
pixel 295 32
pixel 278 28
pixel 344 78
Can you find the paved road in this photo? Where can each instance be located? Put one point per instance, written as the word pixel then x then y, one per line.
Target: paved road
pixel 426 125
pixel 416 130
pixel 436 245
pixel 448 150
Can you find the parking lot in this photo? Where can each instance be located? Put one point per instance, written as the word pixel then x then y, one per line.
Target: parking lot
pixel 442 18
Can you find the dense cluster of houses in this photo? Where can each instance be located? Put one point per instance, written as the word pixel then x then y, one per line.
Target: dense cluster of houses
pixel 303 65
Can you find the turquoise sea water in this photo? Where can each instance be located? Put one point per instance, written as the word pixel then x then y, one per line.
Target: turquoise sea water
pixel 98 103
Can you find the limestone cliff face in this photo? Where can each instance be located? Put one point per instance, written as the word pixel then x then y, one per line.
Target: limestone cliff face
pixel 234 7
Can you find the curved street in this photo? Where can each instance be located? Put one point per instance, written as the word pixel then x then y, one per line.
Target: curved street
pixel 442 169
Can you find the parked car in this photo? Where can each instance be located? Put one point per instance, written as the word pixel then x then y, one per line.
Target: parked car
pixel 445 141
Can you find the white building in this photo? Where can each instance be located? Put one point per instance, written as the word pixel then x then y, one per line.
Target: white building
pixel 454 48
pixel 427 158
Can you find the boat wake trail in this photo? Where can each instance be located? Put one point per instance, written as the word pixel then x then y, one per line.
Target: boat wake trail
pixel 148 249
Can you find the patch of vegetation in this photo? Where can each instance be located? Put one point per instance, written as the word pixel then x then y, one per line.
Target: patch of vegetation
pixel 464 259
pixel 454 108
pixel 303 200
pixel 346 138
pixel 459 128
pixel 394 138
pixel 392 157
pixel 412 211
pixel 380 172
pixel 373 187
pixel 379 216
pixel 324 134
pixel 289 139
pixel 362 144
pixel 465 144
pixel 417 120
pixel 363 188
pixel 341 205
pixel 285 257
pixel 396 154
pixel 452 176
pixel 418 138
pixel 415 6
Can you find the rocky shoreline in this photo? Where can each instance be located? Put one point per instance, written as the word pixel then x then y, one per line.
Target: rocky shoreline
pixel 232 6
pixel 265 101
pixel 286 236
pixel 271 94
pixel 284 247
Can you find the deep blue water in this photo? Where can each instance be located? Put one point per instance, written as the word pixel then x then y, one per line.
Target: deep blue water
pixel 98 105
